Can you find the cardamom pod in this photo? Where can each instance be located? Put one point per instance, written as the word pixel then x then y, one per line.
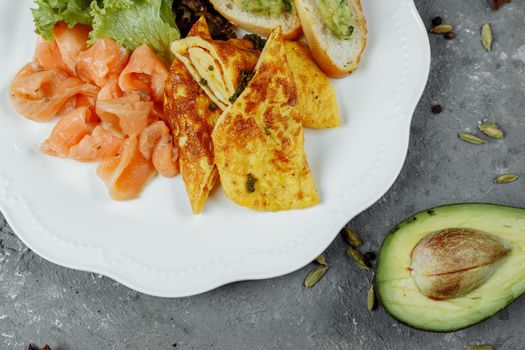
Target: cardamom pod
pixel 506 178
pixel 486 36
pixel 358 258
pixel 315 276
pixel 470 138
pixel 371 299
pixel 480 347
pixel 321 260
pixel 352 237
pixel 492 130
pixel 442 29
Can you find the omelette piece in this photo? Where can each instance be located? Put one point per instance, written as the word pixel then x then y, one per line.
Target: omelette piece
pixel 317 98
pixel 191 115
pixel 216 65
pixel 258 141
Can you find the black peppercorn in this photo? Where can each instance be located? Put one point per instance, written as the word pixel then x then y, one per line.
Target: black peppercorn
pixel 436 109
pixel 437 21
pixel 369 256
pixel 450 35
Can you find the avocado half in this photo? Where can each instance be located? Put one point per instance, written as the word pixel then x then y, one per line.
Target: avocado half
pixel 475 250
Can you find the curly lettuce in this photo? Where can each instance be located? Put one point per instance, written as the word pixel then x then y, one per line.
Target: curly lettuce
pixel 131 23
pixel 49 12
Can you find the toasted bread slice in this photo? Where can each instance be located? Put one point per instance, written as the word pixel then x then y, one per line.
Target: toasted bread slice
pixel 259 24
pixel 336 57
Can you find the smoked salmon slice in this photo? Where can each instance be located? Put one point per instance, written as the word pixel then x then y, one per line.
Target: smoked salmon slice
pixel 144 72
pixel 165 157
pixel 128 114
pixel 47 54
pixel 39 94
pixel 69 130
pixel 101 144
pixel 156 143
pixel 101 61
pixel 127 173
pixel 110 89
pixel 71 42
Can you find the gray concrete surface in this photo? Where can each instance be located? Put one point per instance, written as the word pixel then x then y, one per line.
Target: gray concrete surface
pixel 71 310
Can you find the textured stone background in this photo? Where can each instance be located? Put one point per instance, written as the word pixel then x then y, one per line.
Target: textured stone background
pixel 45 303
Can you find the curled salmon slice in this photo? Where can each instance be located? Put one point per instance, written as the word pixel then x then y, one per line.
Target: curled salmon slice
pixel 128 114
pixel 165 157
pixel 71 42
pixel 110 89
pixel 104 59
pixel 40 94
pixel 150 137
pixel 47 54
pixel 144 72
pixel 101 144
pixel 68 132
pixel 127 173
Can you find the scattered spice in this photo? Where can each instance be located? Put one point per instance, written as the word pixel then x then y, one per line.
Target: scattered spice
pixel 437 21
pixel 449 35
pixel 250 183
pixel 258 42
pixel 480 347
pixel 210 68
pixel 321 260
pixel 371 299
pixel 203 82
pixel 506 178
pixel 436 109
pixel 358 258
pixel 187 12
pixel 245 79
pixel 497 3
pixel 352 237
pixel 492 130
pixel 471 138
pixel 315 276
pixel 486 36
pixel 212 106
pixel 369 256
pixel 441 29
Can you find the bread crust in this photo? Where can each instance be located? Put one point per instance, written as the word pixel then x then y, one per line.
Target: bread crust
pixel 293 34
pixel 321 56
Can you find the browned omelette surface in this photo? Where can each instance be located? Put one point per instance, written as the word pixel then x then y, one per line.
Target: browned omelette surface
pixel 258 141
pixel 191 115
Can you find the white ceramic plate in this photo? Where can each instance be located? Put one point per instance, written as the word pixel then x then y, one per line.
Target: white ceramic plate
pixel 154 244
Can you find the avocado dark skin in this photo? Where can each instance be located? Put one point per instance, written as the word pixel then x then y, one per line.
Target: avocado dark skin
pixel 484 282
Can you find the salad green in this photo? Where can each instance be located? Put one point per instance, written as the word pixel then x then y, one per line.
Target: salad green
pixel 131 23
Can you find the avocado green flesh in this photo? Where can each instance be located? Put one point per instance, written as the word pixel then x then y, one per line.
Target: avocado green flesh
pixel 337 16
pixel 399 293
pixel 271 8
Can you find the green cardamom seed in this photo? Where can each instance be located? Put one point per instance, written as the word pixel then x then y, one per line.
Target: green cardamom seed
pixel 315 276
pixel 371 299
pixel 470 138
pixel 486 36
pixel 358 258
pixel 321 260
pixel 352 237
pixel 506 178
pixel 492 130
pixel 442 29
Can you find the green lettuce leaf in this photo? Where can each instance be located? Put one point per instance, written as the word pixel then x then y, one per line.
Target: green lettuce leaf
pixel 49 12
pixel 132 23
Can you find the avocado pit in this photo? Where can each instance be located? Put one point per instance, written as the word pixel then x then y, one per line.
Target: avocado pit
pixel 453 262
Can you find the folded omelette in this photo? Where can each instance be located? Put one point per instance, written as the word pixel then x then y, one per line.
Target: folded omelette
pixel 191 115
pixel 258 141
pixel 218 66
